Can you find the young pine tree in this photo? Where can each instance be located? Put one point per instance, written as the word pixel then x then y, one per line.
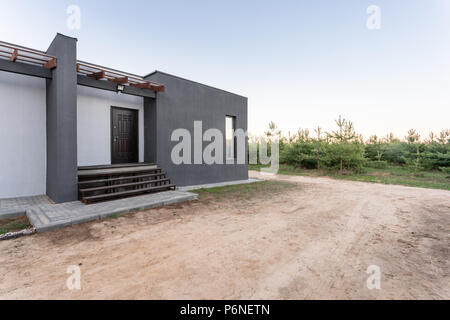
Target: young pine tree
pixel 342 137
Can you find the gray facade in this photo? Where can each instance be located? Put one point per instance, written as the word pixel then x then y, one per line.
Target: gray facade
pixel 182 102
pixel 62 122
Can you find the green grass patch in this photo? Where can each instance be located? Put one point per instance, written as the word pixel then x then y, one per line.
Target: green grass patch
pixel 14 224
pixel 390 175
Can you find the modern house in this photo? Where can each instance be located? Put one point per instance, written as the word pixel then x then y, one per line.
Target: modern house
pixel 62 118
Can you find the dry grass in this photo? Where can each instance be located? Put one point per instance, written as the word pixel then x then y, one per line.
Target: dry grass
pixel 244 192
pixel 14 224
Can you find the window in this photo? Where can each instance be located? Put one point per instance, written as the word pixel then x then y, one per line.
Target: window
pixel 230 127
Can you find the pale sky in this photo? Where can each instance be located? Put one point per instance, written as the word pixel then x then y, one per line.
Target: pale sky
pixel 300 63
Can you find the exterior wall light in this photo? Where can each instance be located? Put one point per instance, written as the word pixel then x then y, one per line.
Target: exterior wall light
pixel 120 88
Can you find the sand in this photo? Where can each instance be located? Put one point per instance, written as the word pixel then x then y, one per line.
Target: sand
pixel 314 241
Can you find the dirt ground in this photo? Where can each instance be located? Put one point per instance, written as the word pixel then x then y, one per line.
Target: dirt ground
pixel 314 240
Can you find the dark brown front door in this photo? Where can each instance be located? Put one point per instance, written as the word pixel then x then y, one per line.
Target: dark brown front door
pixel 124 135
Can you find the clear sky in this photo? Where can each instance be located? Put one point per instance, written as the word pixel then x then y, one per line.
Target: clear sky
pixel 300 63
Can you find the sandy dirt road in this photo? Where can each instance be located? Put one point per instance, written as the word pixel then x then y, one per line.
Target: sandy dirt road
pixel 312 241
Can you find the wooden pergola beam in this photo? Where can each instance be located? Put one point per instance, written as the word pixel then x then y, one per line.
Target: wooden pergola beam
pixel 121 80
pixel 157 88
pixel 50 64
pixel 148 85
pixel 109 86
pixel 14 55
pixel 145 85
pixel 118 77
pixel 27 55
pixel 97 75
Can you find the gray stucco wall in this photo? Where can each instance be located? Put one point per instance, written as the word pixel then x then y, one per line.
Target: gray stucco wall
pixel 182 103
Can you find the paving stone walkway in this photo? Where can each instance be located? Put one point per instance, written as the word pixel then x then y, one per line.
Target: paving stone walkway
pixel 44 215
pixel 13 207
pixel 24 202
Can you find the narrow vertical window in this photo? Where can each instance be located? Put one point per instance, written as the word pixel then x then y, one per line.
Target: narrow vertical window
pixel 230 127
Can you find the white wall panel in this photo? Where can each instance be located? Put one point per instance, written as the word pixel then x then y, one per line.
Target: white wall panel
pixel 23 145
pixel 94 123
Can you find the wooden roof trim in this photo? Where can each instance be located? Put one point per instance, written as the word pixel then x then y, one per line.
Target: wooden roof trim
pixel 19 48
pixel 122 80
pixel 148 85
pixel 141 85
pixel 114 73
pixel 114 76
pixel 97 75
pixel 16 53
pixel 50 64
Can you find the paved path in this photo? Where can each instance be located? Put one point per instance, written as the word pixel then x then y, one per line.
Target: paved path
pixel 44 215
pixel 13 207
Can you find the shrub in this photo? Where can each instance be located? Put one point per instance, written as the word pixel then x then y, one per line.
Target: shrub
pixel 445 170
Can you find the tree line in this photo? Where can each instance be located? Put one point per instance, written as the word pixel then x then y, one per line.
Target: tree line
pixel 345 150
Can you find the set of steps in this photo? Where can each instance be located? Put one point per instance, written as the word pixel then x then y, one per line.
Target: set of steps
pixel 102 183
